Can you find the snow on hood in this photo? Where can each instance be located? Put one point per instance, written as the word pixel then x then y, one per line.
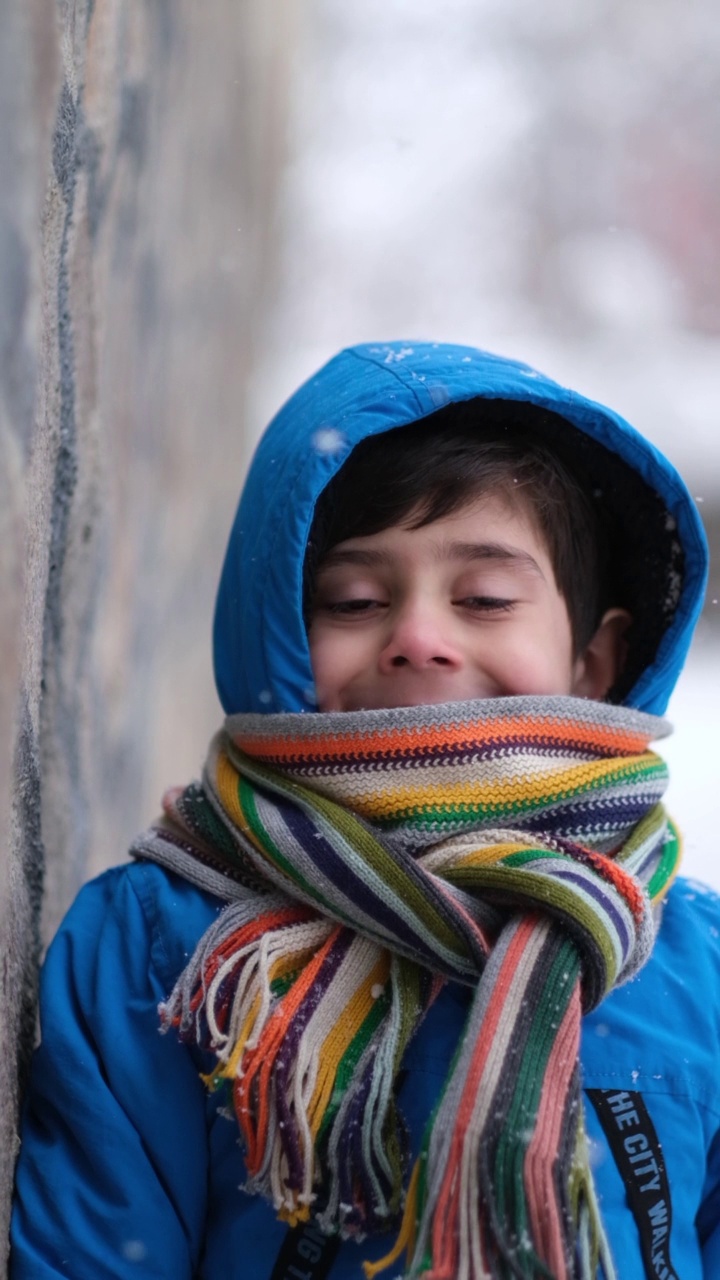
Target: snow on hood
pixel 262 661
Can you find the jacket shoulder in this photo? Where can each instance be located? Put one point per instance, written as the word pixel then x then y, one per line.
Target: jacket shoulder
pixel 144 909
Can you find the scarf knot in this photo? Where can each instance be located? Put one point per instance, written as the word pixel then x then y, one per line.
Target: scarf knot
pixel 516 846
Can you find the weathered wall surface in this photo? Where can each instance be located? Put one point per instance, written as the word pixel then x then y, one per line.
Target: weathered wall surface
pixel 26 111
pixel 138 158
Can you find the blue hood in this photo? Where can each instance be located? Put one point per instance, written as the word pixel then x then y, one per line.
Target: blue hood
pixel 262 661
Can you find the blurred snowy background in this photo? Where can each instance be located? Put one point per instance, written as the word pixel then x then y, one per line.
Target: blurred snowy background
pixel 543 181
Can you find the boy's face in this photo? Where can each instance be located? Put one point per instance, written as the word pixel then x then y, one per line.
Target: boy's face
pixel 465 607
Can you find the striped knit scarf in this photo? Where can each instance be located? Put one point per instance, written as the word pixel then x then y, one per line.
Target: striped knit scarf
pixel 514 845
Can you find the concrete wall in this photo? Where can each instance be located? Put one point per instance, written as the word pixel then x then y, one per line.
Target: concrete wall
pixel 140 145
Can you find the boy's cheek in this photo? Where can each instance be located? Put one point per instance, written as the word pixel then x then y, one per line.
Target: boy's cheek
pixel 334 659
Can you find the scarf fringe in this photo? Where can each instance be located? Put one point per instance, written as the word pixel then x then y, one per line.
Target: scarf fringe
pixel 309 1024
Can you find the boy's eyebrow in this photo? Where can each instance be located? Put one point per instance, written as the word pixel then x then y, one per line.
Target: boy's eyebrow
pixel 367 559
pixel 493 551
pixel 468 551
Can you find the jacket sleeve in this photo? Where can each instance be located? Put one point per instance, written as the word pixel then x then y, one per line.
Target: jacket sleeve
pixel 112 1174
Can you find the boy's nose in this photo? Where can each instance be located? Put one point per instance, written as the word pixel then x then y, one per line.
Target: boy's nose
pixel 418 639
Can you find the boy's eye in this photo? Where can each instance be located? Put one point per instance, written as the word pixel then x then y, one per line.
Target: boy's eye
pixel 486 604
pixel 355 606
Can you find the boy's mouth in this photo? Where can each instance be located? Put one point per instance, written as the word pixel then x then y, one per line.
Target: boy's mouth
pixel 429 694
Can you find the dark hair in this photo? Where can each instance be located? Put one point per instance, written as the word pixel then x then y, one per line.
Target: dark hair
pixel 607 532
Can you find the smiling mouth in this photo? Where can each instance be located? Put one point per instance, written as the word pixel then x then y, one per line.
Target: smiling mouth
pixel 427 696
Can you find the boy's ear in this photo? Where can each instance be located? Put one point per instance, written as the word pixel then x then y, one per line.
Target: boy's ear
pixel 600 664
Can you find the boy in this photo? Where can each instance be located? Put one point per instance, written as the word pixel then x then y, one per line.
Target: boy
pixel 455 848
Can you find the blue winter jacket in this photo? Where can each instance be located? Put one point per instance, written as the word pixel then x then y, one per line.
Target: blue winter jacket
pixel 127 1166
